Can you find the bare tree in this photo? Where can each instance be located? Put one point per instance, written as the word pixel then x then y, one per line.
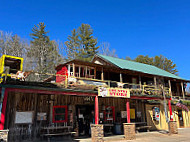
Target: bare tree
pixel 5 39
pixel 106 50
pixel 12 45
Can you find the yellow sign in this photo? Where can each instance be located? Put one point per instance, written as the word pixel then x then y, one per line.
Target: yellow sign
pixel 132 113
pixel 113 92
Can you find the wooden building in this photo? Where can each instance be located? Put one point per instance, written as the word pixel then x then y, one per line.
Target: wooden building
pixel 107 91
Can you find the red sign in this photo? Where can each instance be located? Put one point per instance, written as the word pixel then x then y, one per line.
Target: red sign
pixel 114 92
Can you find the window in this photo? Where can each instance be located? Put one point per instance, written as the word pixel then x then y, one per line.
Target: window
pixel 60 114
pixel 109 114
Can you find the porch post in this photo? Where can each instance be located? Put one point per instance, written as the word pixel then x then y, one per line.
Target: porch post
pixel 140 83
pixel 96 110
pixel 102 74
pixel 129 128
pixel 4 94
pixel 97 130
pixel 170 87
pixel 155 82
pixel 182 88
pixel 128 111
pixel 121 78
pixel 170 109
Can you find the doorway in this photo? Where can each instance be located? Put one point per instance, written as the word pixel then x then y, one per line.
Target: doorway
pixel 180 117
pixel 85 116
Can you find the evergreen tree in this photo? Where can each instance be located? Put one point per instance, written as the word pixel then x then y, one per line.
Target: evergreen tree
pixel 158 61
pixel 40 45
pixel 43 52
pixel 165 64
pixel 72 45
pixel 81 44
pixel 145 59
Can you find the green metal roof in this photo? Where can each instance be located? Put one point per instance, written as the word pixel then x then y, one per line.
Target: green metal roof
pixel 139 67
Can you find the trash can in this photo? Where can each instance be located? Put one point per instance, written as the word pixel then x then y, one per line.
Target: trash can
pixel 117 129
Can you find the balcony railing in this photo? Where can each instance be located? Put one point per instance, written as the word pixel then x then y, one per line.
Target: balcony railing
pixel 92 84
pixel 135 89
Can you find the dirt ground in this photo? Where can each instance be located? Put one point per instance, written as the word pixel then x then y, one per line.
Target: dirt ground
pixel 161 136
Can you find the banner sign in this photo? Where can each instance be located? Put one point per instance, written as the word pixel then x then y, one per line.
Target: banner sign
pixel 182 106
pixel 113 92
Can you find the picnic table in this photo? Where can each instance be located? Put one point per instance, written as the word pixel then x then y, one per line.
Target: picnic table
pixel 141 126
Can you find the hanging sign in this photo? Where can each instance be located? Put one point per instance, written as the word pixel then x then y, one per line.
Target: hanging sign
pixel 182 106
pixel 113 92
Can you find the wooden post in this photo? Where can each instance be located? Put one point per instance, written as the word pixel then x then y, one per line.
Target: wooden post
pixel 102 75
pixel 170 108
pixel 128 111
pixel 95 73
pixel 182 88
pixel 121 78
pixel 155 82
pixel 79 70
pixel 140 83
pixel 170 87
pixel 4 95
pixel 34 129
pixel 96 110
pixel 69 70
pixel 73 69
pixel 51 108
pixel 86 72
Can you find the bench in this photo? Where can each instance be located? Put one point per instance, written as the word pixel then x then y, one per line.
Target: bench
pixel 57 131
pixel 143 127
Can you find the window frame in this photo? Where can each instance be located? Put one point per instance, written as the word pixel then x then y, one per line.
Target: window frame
pixel 113 114
pixel 54 114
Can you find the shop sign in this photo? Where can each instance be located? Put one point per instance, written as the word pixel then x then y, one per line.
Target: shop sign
pixel 182 106
pixel 113 92
pixel 156 113
pixel 88 99
pixel 41 116
pixel 132 113
pixel 123 114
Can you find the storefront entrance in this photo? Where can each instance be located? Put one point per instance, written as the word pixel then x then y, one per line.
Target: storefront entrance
pixel 85 116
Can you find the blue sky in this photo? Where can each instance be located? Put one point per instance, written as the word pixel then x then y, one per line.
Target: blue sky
pixel 132 27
